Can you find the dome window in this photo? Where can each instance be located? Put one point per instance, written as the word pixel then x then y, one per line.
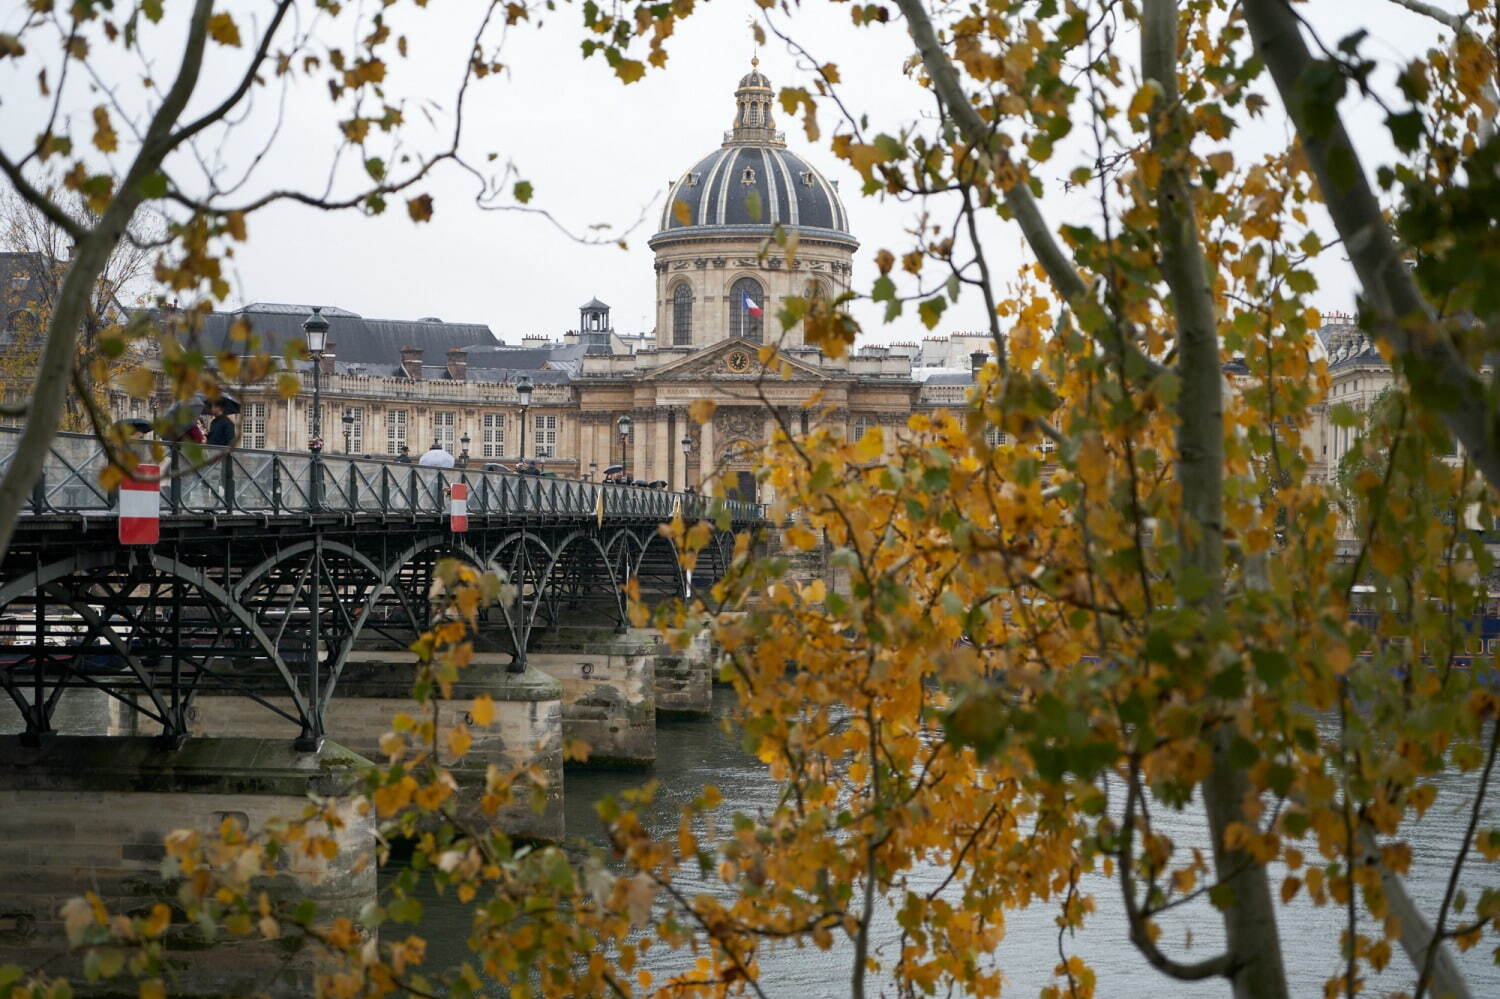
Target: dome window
pixel 692 180
pixel 807 178
pixel 748 177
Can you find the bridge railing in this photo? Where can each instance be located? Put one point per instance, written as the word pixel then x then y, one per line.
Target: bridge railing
pixel 269 483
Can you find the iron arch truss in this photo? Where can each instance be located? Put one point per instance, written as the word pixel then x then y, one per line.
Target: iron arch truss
pixel 270 610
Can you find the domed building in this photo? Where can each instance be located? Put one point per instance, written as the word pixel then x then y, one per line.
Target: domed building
pixel 718 272
pixel 722 279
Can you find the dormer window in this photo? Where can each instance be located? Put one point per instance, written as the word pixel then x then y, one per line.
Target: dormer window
pixel 692 180
pixel 807 178
pixel 748 177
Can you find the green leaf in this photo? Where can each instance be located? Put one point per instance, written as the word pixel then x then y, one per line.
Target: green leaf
pixel 1406 130
pixel 522 191
pixel 1271 665
pixel 154 185
pixel 1222 896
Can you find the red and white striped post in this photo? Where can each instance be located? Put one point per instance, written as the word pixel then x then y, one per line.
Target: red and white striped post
pixel 140 507
pixel 458 507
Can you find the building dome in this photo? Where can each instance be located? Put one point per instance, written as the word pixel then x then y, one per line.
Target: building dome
pixel 752 182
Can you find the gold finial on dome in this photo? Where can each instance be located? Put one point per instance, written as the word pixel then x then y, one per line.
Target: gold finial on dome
pixel 754 61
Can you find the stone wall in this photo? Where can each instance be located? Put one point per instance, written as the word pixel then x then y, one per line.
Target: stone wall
pixel 90 813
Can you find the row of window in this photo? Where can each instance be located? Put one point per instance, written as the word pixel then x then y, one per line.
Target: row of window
pixel 444 430
pixel 747 310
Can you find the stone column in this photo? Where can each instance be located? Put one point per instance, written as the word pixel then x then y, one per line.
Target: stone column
pixel 661 457
pixel 706 456
pixel 90 813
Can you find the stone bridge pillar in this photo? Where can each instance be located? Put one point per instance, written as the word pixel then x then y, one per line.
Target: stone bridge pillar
pixel 608 688
pixel 375 686
pixel 90 813
pixel 684 680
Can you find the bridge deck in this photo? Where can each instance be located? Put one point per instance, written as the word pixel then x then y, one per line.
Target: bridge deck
pixel 207 482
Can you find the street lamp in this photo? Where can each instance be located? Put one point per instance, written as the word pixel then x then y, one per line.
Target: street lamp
pixel 523 393
pixel 625 423
pixel 687 452
pixel 463 457
pixel 315 330
pixel 348 429
pixel 593 467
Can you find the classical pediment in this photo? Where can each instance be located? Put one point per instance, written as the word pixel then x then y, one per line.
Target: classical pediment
pixel 731 360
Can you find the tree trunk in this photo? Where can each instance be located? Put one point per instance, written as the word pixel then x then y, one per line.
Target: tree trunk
pixel 1250 919
pixel 55 368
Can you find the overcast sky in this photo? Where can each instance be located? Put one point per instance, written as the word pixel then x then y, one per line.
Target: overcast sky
pixel 599 152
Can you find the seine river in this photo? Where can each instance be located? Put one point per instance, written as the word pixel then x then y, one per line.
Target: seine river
pixel 694 753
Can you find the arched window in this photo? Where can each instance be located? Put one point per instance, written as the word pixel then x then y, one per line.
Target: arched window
pixel 682 316
pixel 747 310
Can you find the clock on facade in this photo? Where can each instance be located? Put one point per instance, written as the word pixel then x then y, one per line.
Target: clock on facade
pixel 738 361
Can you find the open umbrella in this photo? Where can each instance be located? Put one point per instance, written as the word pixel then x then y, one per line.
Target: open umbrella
pixel 229 404
pixel 134 425
pixel 614 470
pixel 181 418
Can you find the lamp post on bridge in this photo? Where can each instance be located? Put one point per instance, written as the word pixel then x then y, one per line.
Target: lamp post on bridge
pixel 523 394
pixel 687 452
pixel 348 429
pixel 315 332
pixel 625 423
pixel 463 456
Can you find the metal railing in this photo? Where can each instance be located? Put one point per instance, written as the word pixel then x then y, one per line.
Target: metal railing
pixel 225 481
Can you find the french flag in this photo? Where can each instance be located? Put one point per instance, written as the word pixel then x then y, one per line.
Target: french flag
pixel 752 308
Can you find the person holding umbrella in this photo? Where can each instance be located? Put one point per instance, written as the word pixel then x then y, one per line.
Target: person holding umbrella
pixel 182 421
pixel 221 432
pixel 615 474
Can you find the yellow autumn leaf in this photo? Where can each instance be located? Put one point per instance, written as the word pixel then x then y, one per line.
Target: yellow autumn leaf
pixel 483 710
pixel 702 410
pixel 630 70
pixel 870 446
pixel 682 212
pixel 459 741
pixel 104 131
pixel 222 29
pixel 420 208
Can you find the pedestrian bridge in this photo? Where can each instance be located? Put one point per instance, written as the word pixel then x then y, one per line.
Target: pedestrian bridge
pixel 269 567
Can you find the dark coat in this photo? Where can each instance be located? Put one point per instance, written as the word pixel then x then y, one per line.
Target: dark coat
pixel 221 431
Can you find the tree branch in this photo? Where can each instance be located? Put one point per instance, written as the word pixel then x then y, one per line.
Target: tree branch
pixel 1402 317
pixel 1070 285
pixel 246 81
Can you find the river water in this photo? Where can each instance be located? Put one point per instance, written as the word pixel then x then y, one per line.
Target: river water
pixel 692 754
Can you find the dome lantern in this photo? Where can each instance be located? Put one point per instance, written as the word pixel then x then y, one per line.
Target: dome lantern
pixel 754 121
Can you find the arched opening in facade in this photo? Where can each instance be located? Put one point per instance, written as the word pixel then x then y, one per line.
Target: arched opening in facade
pixel 682 316
pixel 747 310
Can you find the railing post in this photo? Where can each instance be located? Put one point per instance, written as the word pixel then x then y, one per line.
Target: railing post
pixel 174 495
pixel 385 490
pixel 315 481
pixel 226 480
pixel 276 483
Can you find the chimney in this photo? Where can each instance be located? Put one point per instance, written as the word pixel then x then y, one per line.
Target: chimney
pixel 325 363
pixel 977 361
pixel 458 364
pixel 411 361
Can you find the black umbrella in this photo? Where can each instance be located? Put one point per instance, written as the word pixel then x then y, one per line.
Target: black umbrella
pixel 614 469
pixel 228 403
pixel 134 425
pixel 182 416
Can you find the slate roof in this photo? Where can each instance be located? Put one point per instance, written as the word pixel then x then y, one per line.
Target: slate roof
pixel 355 339
pixel 718 192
